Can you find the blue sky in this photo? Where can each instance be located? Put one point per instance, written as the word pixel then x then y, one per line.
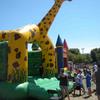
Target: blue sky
pixel 78 21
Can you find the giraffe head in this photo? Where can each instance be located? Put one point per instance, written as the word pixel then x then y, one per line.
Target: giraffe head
pixel 31 32
pixel 35 33
pixel 62 0
pixel 59 0
pixel 67 0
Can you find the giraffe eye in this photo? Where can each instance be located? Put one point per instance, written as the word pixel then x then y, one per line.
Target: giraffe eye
pixel 32 33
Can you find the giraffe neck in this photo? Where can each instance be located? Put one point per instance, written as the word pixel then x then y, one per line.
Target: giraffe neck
pixel 46 22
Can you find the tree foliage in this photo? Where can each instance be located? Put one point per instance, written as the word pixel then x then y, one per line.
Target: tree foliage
pixel 75 56
pixel 74 51
pixel 95 54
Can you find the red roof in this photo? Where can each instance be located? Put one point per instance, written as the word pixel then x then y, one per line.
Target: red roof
pixel 65 44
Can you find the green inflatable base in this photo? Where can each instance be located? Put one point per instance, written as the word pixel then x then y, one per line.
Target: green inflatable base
pixel 34 89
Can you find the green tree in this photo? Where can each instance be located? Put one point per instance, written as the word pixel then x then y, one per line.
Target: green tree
pixel 75 51
pixel 75 56
pixel 95 54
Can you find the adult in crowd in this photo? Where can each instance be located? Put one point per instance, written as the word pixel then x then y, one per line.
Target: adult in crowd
pixel 63 77
pixel 95 67
pixel 88 81
pixel 96 79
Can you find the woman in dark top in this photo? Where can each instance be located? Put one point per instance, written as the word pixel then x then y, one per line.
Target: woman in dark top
pixel 64 84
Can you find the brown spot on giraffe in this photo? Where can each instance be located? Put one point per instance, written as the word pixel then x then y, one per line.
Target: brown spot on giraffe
pixel 26 44
pixel 3 35
pixel 16 49
pixel 51 47
pixel 47 42
pixel 50 60
pixel 44 36
pixel 41 29
pixel 43 60
pixel 18 55
pixel 51 65
pixel 15 64
pixel 17 36
pixel 9 49
pixel 50 54
pixel 25 58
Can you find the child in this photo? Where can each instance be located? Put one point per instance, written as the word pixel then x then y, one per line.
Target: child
pixel 88 82
pixel 79 83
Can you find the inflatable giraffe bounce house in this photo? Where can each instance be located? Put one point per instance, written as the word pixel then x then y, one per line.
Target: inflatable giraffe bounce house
pixel 18 40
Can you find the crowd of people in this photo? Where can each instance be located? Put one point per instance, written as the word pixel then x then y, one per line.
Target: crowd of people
pixel 77 76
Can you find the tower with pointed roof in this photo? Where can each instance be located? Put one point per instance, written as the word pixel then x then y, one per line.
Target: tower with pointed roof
pixel 59 53
pixel 65 53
